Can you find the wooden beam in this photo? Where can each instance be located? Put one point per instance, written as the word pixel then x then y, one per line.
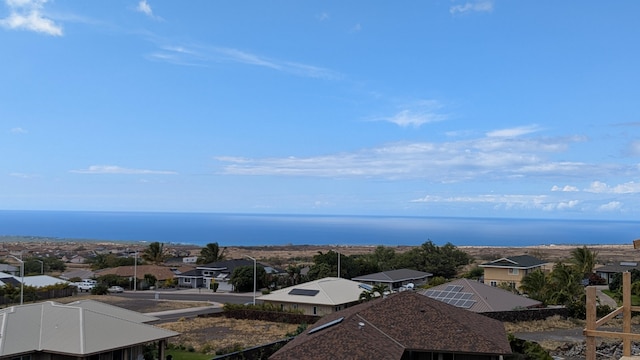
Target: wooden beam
pixel 608 317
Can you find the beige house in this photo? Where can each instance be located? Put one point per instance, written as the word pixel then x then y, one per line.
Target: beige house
pixel 319 297
pixel 511 270
pixel 87 330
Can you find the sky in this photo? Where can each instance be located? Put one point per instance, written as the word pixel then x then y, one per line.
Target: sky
pixel 487 108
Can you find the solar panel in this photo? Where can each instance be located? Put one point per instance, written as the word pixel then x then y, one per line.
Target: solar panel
pixel 324 326
pixel 467 304
pixel 467 296
pixel 366 287
pixel 305 292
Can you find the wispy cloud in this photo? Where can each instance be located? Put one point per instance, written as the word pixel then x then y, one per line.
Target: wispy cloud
pixel 566 188
pixel 456 161
pixel 513 132
pixel 29 15
pixel 323 16
pixel 23 175
pixel 610 206
pixel 18 130
pixel 145 8
pixel 417 114
pixel 472 6
pixel 541 202
pixel 112 169
pixel 203 55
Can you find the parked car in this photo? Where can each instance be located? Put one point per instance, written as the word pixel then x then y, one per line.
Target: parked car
pixel 86 285
pixel 115 289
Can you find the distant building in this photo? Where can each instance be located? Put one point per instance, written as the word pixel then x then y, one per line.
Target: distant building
pixel 319 297
pixel 511 270
pixel 396 279
pixel 607 272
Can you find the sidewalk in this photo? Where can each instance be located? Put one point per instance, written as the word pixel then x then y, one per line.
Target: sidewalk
pixel 605 299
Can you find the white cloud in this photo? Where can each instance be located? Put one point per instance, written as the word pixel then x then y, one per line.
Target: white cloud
pixel 599 187
pixel 611 206
pixel 476 6
pixel 23 175
pixel 145 8
pixel 514 132
pixel 477 159
pixel 18 130
pixel 28 15
pixel 566 188
pixel 112 169
pixel 323 16
pixel 505 201
pixel 356 28
pixel 196 55
pixel 633 149
pixel 417 114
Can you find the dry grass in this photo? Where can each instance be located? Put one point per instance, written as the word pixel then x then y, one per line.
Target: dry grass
pixel 213 333
pixel 552 323
pixel 138 305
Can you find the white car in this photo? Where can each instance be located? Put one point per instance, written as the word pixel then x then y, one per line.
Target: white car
pixel 115 289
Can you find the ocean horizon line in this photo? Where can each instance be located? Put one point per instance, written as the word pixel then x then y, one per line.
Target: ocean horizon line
pixel 238 229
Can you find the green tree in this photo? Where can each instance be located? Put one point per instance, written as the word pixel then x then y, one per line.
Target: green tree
pixel 380 289
pixel 242 278
pixel 365 295
pixel 155 253
pixel 534 284
pixel 584 260
pixel 384 258
pixel 211 253
pixel 565 285
pixel 442 261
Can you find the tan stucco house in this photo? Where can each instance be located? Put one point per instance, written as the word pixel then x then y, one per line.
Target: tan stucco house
pixel 511 270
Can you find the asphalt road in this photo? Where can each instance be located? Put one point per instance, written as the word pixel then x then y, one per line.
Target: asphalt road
pixel 188 295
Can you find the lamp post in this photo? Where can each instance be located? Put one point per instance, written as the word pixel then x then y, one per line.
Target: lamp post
pixel 135 270
pixel 338 264
pixel 22 281
pixel 41 266
pixel 254 278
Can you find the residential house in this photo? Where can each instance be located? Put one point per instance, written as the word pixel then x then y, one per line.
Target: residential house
pixel 161 273
pixel 36 281
pixel 319 297
pixel 49 330
pixel 10 269
pixel 220 272
pixel 396 279
pixel 607 272
pixel 403 326
pixel 511 270
pixel 478 297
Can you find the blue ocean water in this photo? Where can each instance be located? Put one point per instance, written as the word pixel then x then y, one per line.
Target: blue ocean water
pixel 261 229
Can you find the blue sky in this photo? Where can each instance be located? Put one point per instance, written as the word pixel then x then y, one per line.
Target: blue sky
pixel 426 108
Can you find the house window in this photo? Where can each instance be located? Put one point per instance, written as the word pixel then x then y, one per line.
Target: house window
pixel 186 280
pixel 513 271
pixel 315 310
pixel 294 306
pixel 493 283
pixel 338 308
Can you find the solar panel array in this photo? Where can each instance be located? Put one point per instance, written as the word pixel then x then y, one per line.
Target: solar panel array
pixel 305 292
pixel 452 296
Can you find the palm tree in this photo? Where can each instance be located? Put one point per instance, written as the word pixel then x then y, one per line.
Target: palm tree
pixel 534 284
pixel 379 288
pixel 155 253
pixel 584 259
pixel 211 253
pixel 565 285
pixel 365 295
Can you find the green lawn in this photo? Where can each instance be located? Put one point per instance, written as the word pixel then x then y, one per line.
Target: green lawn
pixel 635 299
pixel 187 355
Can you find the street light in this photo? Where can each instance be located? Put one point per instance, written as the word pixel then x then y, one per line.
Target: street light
pixel 135 270
pixel 254 278
pixel 22 281
pixel 41 266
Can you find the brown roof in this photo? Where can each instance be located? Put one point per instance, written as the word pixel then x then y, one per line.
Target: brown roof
pixel 160 272
pixel 385 328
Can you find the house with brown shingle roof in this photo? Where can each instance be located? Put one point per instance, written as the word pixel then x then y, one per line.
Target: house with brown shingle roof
pixel 406 326
pixel 161 273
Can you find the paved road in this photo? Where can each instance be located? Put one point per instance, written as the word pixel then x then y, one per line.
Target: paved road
pixel 189 295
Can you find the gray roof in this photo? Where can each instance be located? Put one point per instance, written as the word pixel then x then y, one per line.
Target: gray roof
pixel 483 298
pixel 70 330
pixel 519 261
pixel 618 268
pixel 394 276
pixel 113 310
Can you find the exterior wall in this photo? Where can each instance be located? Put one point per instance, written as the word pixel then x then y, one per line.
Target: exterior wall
pixel 307 309
pixel 495 276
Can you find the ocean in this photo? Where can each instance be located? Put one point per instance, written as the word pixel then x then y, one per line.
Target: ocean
pixel 263 229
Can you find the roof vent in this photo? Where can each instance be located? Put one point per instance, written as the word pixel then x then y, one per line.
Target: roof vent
pixel 360 325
